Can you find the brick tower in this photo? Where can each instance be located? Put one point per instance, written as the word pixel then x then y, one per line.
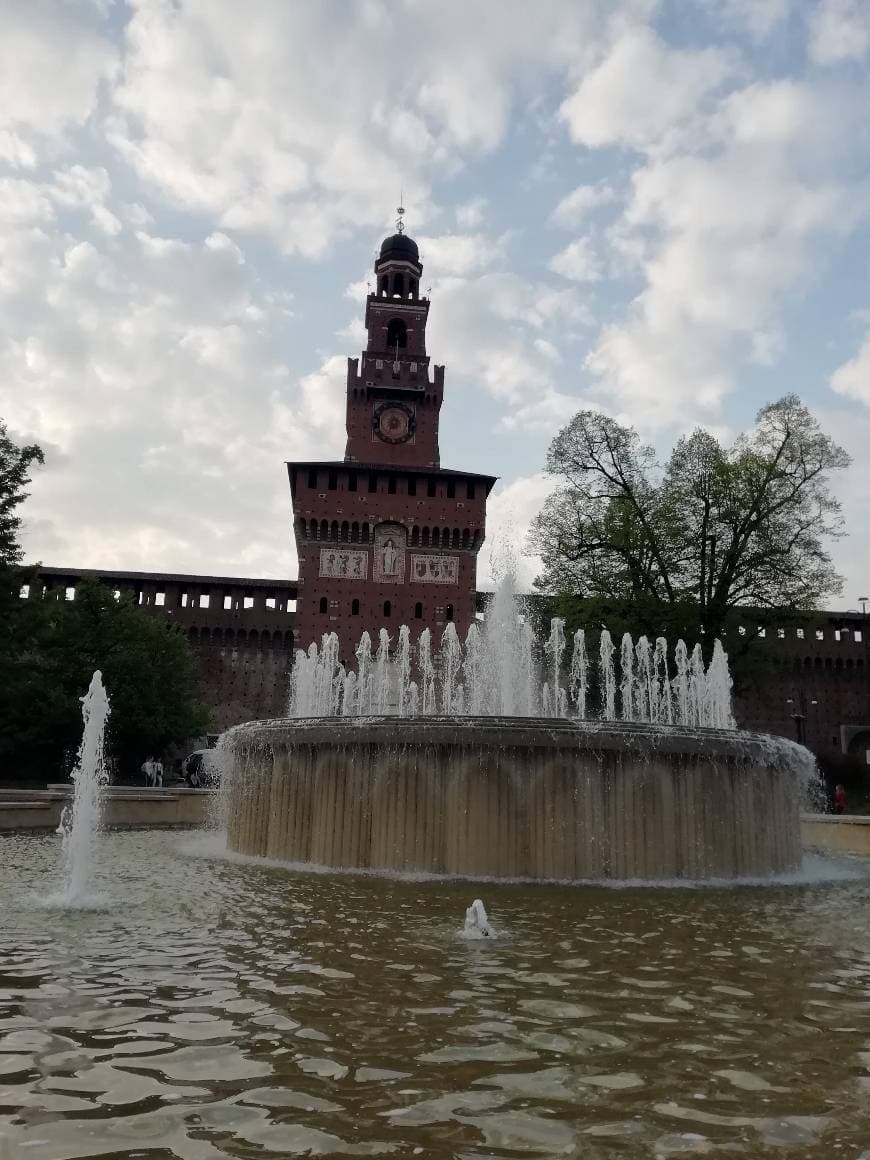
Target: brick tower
pixel 387 536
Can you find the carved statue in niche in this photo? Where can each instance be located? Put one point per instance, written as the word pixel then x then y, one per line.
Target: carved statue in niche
pixel 389 553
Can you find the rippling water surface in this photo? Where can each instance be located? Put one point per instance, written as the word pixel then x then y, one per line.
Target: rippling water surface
pixel 224 1009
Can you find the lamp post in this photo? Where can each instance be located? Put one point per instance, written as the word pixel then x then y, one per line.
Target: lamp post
pixel 799 714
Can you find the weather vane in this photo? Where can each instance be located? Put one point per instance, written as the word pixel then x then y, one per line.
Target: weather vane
pixel 400 210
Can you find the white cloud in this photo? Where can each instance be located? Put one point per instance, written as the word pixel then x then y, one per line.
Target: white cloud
pixel 839 31
pixel 485 328
pixel 642 91
pixel 576 206
pixel 470 215
pixel 292 120
pixel 722 236
pixel 759 18
pixel 852 378
pixel 146 365
pixel 458 255
pixel 53 59
pixel 578 262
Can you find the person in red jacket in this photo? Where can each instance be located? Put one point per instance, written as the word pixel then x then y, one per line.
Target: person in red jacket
pixel 839 800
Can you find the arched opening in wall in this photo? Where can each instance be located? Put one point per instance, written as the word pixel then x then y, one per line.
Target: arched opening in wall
pixel 466 537
pixel 354 608
pixel 398 285
pixel 448 612
pixel 418 611
pixel 354 533
pixel 345 531
pixel 383 284
pixel 365 533
pixel 436 538
pixel 193 635
pixel 288 639
pixel 388 608
pixel 415 536
pixel 397 334
pixel 324 604
pixel 412 287
pixel 334 529
pixel 456 537
pixel 324 530
pixel 426 540
pixel 445 537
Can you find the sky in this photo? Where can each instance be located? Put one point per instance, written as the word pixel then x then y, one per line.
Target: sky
pixel 657 209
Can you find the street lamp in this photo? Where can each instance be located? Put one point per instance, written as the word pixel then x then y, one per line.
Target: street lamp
pixel 799 715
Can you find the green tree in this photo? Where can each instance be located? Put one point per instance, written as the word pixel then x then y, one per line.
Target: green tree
pixel 147 669
pixel 689 542
pixel 15 464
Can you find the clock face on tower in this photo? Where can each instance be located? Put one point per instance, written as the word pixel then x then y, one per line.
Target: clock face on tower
pixel 393 422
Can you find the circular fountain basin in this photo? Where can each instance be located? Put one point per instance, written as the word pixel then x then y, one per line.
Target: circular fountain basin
pixel 514 797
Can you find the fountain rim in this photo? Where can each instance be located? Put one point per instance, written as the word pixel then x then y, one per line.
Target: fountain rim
pixel 492 732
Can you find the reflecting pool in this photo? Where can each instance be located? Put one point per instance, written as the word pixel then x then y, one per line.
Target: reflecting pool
pixel 220 1008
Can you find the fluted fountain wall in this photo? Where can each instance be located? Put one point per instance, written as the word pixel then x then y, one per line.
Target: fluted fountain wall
pixel 512 797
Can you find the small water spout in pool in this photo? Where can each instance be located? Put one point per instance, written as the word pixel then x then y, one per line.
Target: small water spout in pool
pixel 477 923
pixel 81 821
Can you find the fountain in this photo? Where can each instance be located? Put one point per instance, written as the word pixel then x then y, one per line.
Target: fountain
pixel 81 820
pixel 477 923
pixel 482 759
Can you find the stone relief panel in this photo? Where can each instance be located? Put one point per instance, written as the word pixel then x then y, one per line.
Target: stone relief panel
pixel 435 569
pixel 344 563
pixel 389 554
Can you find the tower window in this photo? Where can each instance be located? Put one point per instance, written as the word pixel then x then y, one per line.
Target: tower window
pixel 412 287
pixel 451 489
pixel 391 485
pixel 412 485
pixel 333 480
pixel 448 612
pixel 312 478
pixel 324 604
pixel 388 608
pixel 397 334
pixel 382 284
pixel 373 481
pixel 398 285
pixel 418 611
pixel 351 481
pixel 354 608
pixel 431 489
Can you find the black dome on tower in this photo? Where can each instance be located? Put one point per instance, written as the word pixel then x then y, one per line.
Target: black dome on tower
pixel 400 246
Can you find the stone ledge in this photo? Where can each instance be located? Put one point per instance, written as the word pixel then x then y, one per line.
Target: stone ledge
pixel 843 833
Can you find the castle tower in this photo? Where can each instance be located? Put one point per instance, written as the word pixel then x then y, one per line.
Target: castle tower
pixel 386 536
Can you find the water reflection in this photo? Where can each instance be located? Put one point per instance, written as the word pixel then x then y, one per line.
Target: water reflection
pixel 221 1009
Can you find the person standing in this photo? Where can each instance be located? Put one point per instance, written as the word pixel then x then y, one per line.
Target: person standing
pixel 839 800
pixel 158 773
pixel 148 770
